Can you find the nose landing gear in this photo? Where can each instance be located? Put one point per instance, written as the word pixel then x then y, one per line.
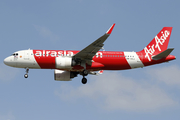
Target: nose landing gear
pixel 26 75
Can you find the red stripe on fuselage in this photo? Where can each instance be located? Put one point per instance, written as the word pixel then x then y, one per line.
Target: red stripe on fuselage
pixel 46 58
pixel 146 61
pixel 113 60
pixel 107 60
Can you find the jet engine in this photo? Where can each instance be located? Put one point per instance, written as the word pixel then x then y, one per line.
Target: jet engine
pixel 61 75
pixel 64 62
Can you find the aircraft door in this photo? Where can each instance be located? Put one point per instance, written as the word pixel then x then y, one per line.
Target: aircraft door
pixel 26 55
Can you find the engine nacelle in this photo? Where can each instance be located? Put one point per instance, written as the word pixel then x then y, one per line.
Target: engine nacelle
pixel 64 62
pixel 61 75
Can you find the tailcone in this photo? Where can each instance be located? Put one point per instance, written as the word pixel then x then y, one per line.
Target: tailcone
pixel 170 57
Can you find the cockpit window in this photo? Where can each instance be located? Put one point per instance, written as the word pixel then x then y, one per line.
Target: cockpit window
pixel 15 54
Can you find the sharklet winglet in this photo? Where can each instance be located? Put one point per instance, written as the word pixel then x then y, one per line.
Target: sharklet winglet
pixel 110 29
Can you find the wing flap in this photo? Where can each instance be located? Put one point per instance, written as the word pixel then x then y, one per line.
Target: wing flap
pixel 97 73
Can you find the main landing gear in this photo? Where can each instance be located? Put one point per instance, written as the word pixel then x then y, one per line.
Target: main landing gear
pixel 26 75
pixel 84 80
pixel 84 73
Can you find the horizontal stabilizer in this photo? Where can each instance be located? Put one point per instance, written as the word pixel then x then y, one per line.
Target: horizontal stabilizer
pixel 163 54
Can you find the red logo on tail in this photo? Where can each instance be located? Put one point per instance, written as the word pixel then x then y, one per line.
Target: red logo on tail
pixel 159 43
pixel 162 39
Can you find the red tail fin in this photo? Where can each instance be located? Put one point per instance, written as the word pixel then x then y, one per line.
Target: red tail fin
pixel 158 44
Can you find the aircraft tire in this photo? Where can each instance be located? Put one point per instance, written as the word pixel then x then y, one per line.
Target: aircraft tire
pixel 84 81
pixel 26 75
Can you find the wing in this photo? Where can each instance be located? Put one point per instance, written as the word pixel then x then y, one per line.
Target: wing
pixel 87 53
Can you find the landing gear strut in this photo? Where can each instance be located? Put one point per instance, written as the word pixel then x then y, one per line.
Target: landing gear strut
pixel 85 73
pixel 26 75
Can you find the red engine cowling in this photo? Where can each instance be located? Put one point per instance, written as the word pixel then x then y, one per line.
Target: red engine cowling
pixel 61 75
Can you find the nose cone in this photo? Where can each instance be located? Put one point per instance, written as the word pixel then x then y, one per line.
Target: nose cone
pixel 9 61
pixel 6 61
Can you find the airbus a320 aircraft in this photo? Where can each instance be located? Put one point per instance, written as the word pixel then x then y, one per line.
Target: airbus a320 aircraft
pixel 69 63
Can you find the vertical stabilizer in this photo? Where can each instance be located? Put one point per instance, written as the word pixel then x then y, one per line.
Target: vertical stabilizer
pixel 158 44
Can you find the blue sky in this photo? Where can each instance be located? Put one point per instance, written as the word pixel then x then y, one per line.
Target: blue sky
pixel 148 93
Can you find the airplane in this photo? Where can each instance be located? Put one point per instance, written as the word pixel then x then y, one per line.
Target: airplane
pixel 69 63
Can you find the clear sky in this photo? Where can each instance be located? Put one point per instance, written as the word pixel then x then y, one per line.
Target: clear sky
pixel 145 93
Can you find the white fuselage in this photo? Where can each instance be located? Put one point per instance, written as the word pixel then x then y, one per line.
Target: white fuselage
pixel 22 59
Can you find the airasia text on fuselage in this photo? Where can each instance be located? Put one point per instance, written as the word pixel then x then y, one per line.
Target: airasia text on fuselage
pixel 52 53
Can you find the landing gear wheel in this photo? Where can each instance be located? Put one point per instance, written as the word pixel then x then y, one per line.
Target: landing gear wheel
pixel 26 75
pixel 85 72
pixel 84 81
